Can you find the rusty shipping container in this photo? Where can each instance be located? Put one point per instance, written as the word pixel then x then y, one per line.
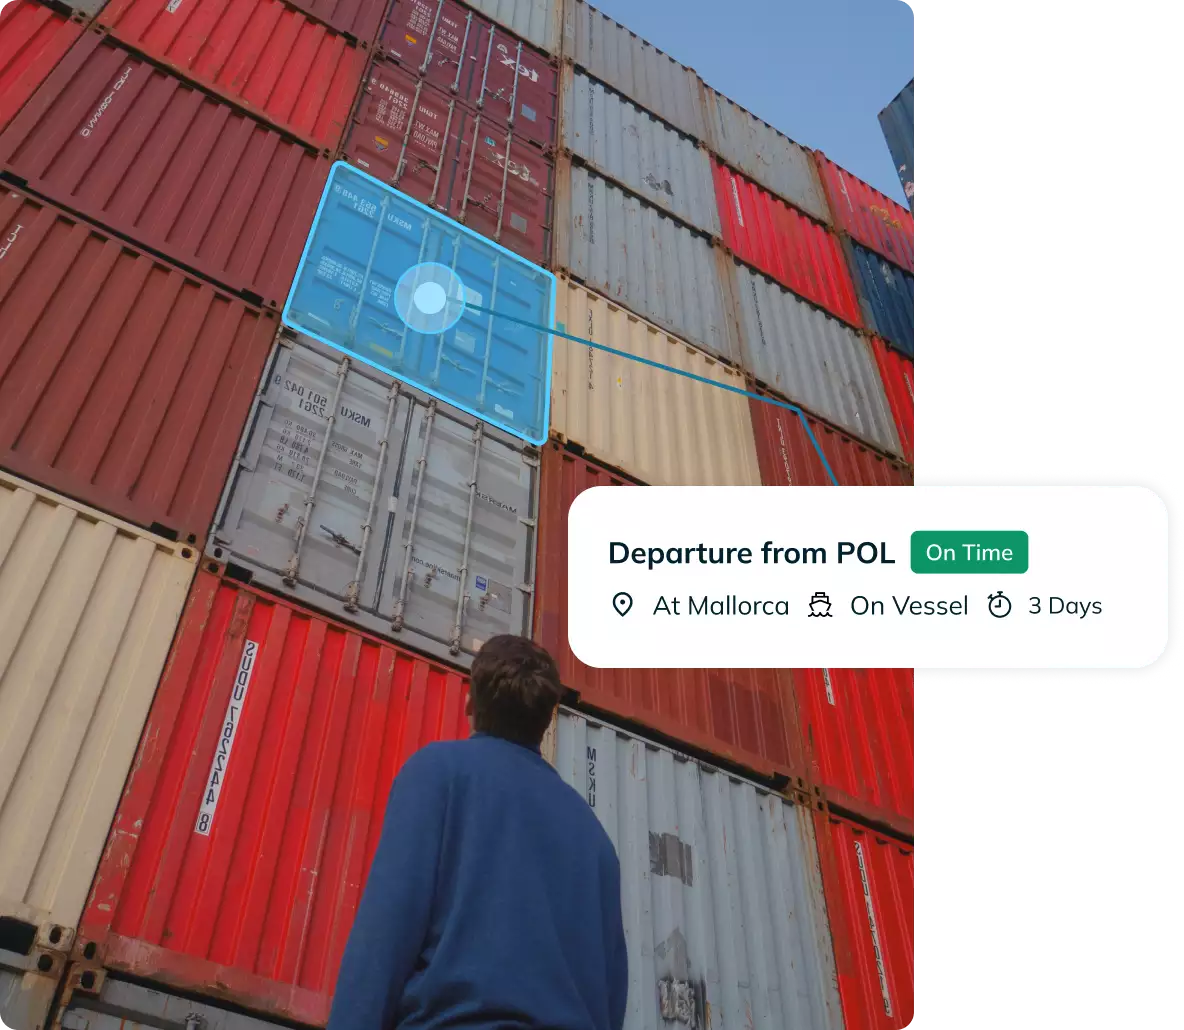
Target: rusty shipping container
pixel 266 55
pixel 610 52
pixel 641 153
pixel 536 21
pixel 788 458
pixel 124 382
pixel 721 894
pixel 359 20
pixel 463 54
pixel 244 835
pixel 896 373
pixel 745 716
pixel 407 133
pixel 896 121
pixel 866 214
pixel 798 252
pixel 868 880
pixel 858 727
pixel 886 295
pixel 125 143
pixel 33 38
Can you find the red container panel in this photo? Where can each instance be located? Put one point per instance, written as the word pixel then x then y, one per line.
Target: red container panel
pixel 745 716
pixel 858 728
pixel 266 55
pixel 788 458
pixel 763 230
pixel 868 881
pixel 873 219
pixel 124 382
pixel 33 39
pixel 466 55
pixel 244 886
pixel 896 372
pixel 358 19
pixel 125 143
pixel 433 148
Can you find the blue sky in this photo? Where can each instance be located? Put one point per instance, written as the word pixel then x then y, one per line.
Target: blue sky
pixel 818 70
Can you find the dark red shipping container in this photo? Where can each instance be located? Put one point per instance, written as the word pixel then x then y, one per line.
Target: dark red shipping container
pixel 266 55
pixel 863 212
pixel 33 38
pixel 244 886
pixel 746 716
pixel 896 372
pixel 867 878
pixel 858 729
pixel 788 458
pixel 357 19
pixel 433 148
pixel 124 382
pixel 125 143
pixel 466 55
pixel 799 253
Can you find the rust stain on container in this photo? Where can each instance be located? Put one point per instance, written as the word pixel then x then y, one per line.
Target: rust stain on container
pixel 875 220
pixel 123 142
pixel 124 382
pixel 33 38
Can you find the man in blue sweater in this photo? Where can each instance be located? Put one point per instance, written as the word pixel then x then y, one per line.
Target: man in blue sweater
pixel 494 900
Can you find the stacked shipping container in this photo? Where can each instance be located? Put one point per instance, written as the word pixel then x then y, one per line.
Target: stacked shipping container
pixel 165 161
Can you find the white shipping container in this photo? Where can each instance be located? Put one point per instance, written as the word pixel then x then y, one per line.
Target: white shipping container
pixel 536 21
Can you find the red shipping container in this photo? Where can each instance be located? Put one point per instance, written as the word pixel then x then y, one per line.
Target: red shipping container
pixel 124 382
pixel 265 55
pixel 858 729
pixel 412 136
pixel 33 38
pixel 357 19
pixel 464 54
pixel 130 146
pixel 746 716
pixel 873 219
pixel 868 881
pixel 238 877
pixel 788 458
pixel 764 231
pixel 896 372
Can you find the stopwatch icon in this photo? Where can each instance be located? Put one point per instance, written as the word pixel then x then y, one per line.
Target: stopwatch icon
pixel 999 605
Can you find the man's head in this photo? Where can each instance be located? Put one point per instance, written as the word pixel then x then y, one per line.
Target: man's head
pixel 514 690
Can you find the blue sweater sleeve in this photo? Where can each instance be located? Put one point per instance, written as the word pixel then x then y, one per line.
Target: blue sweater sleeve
pixel 618 959
pixel 392 921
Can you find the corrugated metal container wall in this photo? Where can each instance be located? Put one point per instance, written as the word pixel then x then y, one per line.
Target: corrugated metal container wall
pixel 812 358
pixel 799 253
pixel 897 122
pixel 536 21
pixel 865 213
pixel 132 147
pixel 113 1004
pixel 263 54
pixel 26 995
pixel 886 294
pixel 123 381
pixel 746 716
pixel 608 51
pixel 33 38
pixel 896 373
pixel 661 428
pixel 858 725
pixel 431 147
pixel 643 260
pixel 402 515
pixel 358 19
pixel 788 458
pixel 638 151
pixel 463 54
pixel 725 921
pixel 764 154
pixel 868 878
pixel 86 8
pixel 88 606
pixel 244 886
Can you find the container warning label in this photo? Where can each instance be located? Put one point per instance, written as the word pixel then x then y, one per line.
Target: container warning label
pixel 234 711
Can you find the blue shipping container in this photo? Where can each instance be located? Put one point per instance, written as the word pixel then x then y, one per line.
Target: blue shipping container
pixel 415 294
pixel 897 122
pixel 885 295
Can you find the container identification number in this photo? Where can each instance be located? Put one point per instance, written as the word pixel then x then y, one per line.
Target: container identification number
pixel 234 708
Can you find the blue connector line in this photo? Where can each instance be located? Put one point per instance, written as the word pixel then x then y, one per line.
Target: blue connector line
pixel 677 371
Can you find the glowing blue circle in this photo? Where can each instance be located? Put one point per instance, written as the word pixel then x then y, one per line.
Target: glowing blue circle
pixel 430 298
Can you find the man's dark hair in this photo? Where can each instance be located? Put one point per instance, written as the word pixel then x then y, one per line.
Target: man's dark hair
pixel 514 688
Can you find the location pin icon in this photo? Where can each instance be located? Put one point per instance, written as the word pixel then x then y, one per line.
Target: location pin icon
pixel 622 602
